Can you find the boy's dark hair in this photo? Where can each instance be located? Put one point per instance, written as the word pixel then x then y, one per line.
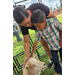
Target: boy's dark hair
pixel 19 14
pixel 38 16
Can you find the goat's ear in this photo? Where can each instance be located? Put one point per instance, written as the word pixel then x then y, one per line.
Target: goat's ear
pixel 33 55
pixel 36 55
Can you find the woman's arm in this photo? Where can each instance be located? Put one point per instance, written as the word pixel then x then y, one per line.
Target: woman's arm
pixel 26 48
pixel 51 15
pixel 26 44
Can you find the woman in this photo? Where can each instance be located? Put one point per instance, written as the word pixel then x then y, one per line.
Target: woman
pixel 23 18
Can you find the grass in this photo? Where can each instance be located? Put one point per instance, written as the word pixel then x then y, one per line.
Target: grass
pixel 18 48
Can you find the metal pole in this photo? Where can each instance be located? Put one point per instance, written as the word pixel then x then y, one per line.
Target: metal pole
pixel 16 32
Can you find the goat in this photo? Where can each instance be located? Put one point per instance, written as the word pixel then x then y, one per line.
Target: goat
pixel 34 66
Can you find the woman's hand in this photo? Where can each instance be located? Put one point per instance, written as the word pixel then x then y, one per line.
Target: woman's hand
pixel 25 61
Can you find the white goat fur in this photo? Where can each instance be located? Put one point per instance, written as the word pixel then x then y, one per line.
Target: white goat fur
pixel 34 66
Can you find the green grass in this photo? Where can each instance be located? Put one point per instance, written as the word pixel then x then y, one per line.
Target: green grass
pixel 18 47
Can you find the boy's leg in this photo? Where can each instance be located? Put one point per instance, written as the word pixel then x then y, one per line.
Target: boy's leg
pixel 60 51
pixel 57 67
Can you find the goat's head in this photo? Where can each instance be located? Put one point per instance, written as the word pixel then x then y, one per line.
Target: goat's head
pixel 34 65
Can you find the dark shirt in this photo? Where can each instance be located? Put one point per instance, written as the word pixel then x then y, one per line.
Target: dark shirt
pixel 33 7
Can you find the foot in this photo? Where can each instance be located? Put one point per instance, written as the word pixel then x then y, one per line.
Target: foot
pixel 50 65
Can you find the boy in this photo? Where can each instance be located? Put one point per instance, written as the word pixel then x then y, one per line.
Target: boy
pixel 51 31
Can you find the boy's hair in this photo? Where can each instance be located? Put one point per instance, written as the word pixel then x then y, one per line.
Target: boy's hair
pixel 38 16
pixel 19 14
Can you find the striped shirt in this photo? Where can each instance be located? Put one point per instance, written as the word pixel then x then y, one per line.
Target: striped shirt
pixel 50 34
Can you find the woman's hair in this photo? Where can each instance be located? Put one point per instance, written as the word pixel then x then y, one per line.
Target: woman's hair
pixel 19 14
pixel 38 16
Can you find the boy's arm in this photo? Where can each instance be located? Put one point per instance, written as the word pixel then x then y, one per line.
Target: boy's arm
pixel 34 47
pixel 37 38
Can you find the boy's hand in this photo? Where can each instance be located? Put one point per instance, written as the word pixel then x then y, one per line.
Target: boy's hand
pixel 31 55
